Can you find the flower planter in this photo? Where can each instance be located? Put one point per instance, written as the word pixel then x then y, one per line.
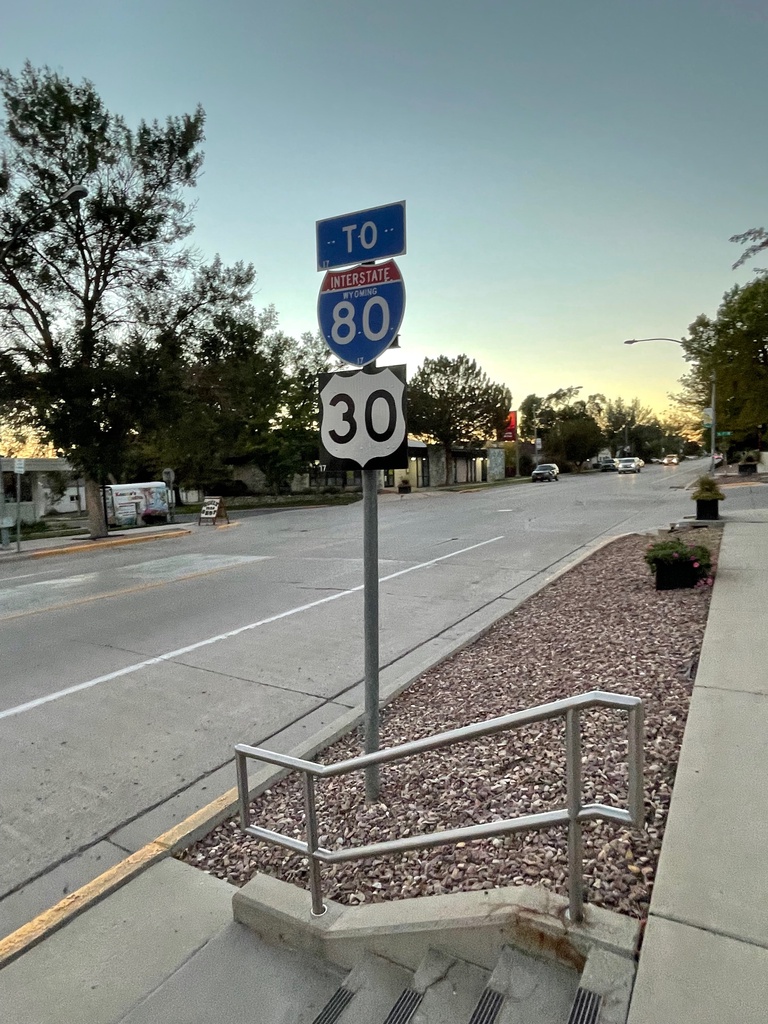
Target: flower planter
pixel 747 468
pixel 676 577
pixel 404 489
pixel 707 508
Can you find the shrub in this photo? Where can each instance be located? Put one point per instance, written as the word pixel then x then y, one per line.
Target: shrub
pixel 675 551
pixel 526 464
pixel 707 490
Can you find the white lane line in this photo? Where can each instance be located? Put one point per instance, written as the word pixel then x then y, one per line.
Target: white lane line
pixel 30 705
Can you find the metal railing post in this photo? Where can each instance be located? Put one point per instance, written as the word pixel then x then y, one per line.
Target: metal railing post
pixel 635 758
pixel 573 796
pixel 315 881
pixel 241 764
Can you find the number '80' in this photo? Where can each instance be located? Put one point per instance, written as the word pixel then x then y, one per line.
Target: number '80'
pixel 344 327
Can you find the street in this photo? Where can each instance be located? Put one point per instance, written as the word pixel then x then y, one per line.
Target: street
pixel 130 673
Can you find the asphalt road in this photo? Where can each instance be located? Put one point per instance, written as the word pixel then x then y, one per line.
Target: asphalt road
pixel 128 674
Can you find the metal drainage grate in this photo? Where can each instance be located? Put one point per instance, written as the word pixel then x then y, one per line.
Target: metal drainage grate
pixel 405 1007
pixel 586 1007
pixel 487 1009
pixel 335 1006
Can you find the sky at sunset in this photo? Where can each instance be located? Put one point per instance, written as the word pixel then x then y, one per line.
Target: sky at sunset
pixel 572 171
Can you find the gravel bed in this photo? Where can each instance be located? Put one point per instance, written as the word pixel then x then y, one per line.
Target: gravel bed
pixel 602 625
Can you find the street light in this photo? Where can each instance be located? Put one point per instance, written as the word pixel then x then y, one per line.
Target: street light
pixel 677 341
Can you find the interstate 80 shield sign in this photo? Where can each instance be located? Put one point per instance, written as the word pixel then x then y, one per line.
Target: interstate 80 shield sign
pixel 362 419
pixel 360 309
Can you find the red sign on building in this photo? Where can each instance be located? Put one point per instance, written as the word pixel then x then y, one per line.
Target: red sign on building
pixel 510 430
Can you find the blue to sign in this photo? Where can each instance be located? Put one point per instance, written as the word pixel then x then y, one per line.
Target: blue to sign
pixel 373 234
pixel 360 310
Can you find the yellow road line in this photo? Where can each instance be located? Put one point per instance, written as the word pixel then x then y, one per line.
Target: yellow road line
pixel 76 903
pixel 107 543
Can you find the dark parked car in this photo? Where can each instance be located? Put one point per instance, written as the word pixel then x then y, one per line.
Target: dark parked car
pixel 546 471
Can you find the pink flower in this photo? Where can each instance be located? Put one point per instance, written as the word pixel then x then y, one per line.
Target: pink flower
pixel 675 554
pixel 710 581
pixel 695 565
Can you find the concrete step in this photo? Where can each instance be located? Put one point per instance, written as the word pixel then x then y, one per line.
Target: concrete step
pixel 451 989
pixel 376 986
pixel 535 991
pixel 612 978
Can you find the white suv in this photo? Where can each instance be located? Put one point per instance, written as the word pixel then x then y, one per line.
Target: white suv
pixel 629 465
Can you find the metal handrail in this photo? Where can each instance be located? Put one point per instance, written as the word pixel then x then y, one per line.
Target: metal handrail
pixel 572 815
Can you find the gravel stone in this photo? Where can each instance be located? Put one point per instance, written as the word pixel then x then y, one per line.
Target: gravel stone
pixel 602 625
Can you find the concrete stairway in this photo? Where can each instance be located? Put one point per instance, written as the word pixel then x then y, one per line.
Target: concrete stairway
pixel 443 990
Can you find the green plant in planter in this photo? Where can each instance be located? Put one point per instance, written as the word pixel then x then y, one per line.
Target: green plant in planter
pixel 707 490
pixel 748 458
pixel 691 561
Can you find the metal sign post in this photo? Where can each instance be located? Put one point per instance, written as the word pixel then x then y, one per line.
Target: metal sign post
pixel 4 523
pixel 18 469
pixel 371 627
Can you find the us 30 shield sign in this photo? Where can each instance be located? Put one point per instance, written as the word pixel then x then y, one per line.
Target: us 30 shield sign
pixel 363 422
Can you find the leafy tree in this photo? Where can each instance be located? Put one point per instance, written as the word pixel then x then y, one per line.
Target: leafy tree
pixel 454 402
pixel 575 441
pixel 732 347
pixel 248 397
pixel 758 239
pixel 539 417
pixel 621 422
pixel 98 301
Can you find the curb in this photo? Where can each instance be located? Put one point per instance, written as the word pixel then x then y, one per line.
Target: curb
pixel 116 542
pixel 201 822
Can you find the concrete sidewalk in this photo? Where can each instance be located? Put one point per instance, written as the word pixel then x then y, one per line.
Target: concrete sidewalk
pixel 45 547
pixel 705 952
pixel 168 935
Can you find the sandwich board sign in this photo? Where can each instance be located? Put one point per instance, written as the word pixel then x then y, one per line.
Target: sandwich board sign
pixel 212 509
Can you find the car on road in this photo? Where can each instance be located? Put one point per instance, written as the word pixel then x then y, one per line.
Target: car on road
pixel 546 471
pixel 607 464
pixel 670 460
pixel 629 465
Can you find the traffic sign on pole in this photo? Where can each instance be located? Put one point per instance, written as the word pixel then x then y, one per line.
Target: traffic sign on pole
pixel 373 234
pixel 360 310
pixel 362 418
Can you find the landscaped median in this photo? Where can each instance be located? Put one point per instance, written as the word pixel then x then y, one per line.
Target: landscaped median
pixel 602 625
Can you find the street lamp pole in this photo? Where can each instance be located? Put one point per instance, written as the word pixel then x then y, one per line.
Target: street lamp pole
pixel 713 424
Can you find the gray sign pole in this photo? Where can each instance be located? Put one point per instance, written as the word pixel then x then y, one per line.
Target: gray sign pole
pixel 371 626
pixel 18 513
pixel 4 538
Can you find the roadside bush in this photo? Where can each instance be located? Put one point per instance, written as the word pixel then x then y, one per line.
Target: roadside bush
pixel 526 465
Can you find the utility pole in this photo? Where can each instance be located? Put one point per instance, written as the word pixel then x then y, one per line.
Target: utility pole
pixel 713 427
